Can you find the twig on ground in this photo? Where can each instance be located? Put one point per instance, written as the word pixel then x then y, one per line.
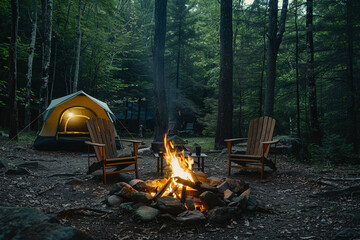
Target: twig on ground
pixel 48 189
pixel 345 191
pixel 73 211
pixel 340 179
pixel 64 175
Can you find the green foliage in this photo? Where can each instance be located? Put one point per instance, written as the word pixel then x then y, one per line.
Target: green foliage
pixel 210 118
pixel 334 150
pixel 206 143
pixel 23 138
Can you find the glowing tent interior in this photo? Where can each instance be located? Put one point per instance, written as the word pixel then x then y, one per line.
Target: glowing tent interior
pixel 65 121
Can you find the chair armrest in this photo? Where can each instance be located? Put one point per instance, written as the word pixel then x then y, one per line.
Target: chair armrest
pixel 235 139
pixel 95 144
pixel 271 142
pixel 129 140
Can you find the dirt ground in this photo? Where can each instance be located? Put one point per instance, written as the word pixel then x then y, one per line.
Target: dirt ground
pixel 58 181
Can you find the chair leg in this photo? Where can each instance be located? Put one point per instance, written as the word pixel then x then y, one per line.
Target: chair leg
pixel 136 169
pixel 229 170
pixel 158 159
pixel 104 174
pixel 262 169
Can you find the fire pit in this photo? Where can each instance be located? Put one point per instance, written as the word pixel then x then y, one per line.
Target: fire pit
pixel 184 194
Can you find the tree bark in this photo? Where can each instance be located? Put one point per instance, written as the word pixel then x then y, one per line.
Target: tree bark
pixel 161 111
pixel 30 65
pixel 225 107
pixel 47 7
pixel 263 65
pixel 78 49
pixel 54 70
pixel 315 133
pixel 351 111
pixel 13 116
pixel 297 71
pixel 275 34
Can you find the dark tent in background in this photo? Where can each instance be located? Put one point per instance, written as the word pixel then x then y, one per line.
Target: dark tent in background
pixel 65 121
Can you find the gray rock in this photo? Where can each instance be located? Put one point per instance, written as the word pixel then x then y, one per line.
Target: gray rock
pixel 18 171
pixel 117 187
pixel 191 217
pixel 123 177
pixel 29 223
pixel 3 164
pixel 291 146
pixel 32 165
pixel 170 205
pixel 141 197
pixel 347 233
pixel 145 213
pixel 141 186
pixel 114 201
pixel 211 200
pixel 240 202
pixel 252 203
pixel 126 191
pixel 222 214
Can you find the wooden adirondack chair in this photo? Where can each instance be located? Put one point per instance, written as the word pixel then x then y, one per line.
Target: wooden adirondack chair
pixel 102 133
pixel 258 144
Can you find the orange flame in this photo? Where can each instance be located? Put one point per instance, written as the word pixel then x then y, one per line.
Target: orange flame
pixel 179 164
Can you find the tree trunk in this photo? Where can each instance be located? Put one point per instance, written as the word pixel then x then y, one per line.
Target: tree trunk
pixel 297 71
pixel 77 66
pixel 47 6
pixel 351 111
pixel 54 71
pixel 30 65
pixel 315 133
pixel 263 66
pixel 161 111
pixel 275 34
pixel 225 107
pixel 13 116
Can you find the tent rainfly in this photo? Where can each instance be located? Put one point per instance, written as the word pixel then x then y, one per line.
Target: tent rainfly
pixel 65 121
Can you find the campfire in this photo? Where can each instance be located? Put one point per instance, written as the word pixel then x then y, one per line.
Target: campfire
pixel 182 181
pixel 184 193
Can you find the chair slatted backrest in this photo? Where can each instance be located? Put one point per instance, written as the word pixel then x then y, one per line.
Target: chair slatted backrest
pixel 260 130
pixel 102 131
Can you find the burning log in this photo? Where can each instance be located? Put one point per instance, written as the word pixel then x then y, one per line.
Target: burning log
pixel 202 187
pixel 194 177
pixel 174 190
pixel 162 190
pixel 183 194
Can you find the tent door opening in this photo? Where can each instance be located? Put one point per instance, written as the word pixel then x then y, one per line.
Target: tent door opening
pixel 73 121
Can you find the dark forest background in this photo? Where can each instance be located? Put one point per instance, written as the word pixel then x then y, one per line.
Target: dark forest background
pixel 105 48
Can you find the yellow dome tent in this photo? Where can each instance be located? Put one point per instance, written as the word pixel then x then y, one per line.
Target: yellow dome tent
pixel 65 121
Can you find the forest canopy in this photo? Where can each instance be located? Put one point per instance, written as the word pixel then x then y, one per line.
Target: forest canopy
pixel 106 48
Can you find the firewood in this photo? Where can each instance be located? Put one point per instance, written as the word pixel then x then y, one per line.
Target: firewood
pixel 183 194
pixel 194 177
pixel 174 190
pixel 162 190
pixel 201 187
